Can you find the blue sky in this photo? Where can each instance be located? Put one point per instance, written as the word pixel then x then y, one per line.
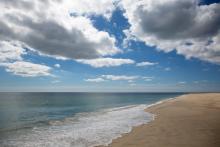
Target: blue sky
pixel 121 47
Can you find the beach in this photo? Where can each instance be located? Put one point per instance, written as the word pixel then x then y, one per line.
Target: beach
pixel 191 120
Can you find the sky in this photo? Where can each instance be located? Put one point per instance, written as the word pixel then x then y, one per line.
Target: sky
pixel 110 45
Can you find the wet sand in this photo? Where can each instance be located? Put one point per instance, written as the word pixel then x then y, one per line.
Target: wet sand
pixel 191 120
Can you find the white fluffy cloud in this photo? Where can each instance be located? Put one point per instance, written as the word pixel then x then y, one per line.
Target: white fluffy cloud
pixel 93 7
pixel 106 62
pixel 11 58
pixel 146 63
pixel 10 51
pixel 48 28
pixel 191 29
pixel 56 28
pixel 27 69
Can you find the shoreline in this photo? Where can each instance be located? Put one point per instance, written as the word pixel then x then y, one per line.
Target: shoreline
pixel 90 128
pixel 190 120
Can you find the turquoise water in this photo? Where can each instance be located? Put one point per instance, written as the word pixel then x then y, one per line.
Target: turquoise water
pixel 71 119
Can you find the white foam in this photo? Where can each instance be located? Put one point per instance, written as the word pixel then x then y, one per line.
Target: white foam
pixel 84 130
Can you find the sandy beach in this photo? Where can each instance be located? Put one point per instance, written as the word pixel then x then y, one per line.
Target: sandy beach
pixel 191 120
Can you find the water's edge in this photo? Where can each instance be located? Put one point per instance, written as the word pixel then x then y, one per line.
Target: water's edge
pixel 85 129
pixel 153 118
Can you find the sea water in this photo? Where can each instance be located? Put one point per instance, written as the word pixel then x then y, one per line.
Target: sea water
pixel 72 119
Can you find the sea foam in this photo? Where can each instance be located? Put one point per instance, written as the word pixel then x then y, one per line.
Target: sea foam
pixel 83 130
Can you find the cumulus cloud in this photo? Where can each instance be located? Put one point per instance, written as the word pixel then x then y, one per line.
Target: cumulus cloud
pixel 191 29
pixel 10 51
pixel 94 7
pixel 11 59
pixel 27 69
pixel 97 80
pixel 146 63
pixel 50 29
pixel 60 29
pixel 106 62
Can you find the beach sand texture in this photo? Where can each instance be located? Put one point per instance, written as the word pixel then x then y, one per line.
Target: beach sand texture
pixel 191 120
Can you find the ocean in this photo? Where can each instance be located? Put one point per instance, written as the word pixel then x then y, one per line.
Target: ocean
pixel 72 119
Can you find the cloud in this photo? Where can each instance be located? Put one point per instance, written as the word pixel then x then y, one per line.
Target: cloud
pixel 119 77
pixel 10 51
pixel 146 63
pixel 97 80
pixel 182 82
pixel 147 79
pixel 200 82
pixel 27 69
pixel 167 69
pixel 106 62
pixel 191 29
pixel 49 29
pixel 94 7
pixel 11 59
pixel 57 65
pixel 129 79
pixel 55 81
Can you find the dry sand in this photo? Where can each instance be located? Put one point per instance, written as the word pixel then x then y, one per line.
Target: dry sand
pixel 191 120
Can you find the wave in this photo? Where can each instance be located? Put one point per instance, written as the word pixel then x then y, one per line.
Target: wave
pixel 83 130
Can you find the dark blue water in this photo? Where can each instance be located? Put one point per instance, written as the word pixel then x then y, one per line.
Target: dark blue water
pixel 19 111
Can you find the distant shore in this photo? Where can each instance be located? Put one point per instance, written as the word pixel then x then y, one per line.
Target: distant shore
pixel 191 120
